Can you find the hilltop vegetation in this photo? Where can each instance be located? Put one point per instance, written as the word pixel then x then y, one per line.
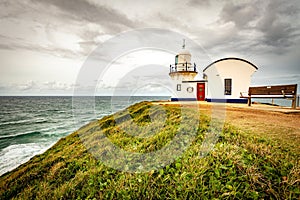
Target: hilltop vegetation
pixel 242 165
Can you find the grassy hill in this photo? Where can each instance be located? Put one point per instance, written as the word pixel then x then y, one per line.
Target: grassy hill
pixel 242 165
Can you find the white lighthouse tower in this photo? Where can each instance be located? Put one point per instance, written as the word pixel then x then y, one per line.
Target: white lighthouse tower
pixel 183 69
pixel 183 73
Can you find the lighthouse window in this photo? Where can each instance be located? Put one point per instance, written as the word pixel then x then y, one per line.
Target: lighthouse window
pixel 178 87
pixel 228 86
pixel 190 89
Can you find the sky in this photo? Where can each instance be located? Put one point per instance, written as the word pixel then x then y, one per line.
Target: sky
pixel 45 44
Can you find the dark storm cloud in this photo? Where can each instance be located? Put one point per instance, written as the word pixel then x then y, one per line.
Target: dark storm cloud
pixel 274 23
pixel 199 3
pixel 54 16
pixel 240 14
pixel 14 45
pixel 277 23
pixel 82 10
pixel 6 47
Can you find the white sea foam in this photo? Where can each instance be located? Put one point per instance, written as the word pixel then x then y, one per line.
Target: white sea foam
pixel 15 155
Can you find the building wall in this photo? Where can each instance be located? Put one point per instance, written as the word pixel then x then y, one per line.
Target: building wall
pixel 239 71
pixel 184 93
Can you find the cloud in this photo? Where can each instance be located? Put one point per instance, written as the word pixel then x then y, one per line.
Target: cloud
pixel 15 45
pixel 240 14
pixel 261 31
pixel 276 79
pixel 277 23
pixel 271 26
pixel 6 47
pixel 81 10
pixel 55 85
pixel 68 29
pixel 27 86
pixel 36 87
pixel 199 3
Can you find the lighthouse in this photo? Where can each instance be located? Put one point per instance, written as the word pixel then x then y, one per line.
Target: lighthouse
pixel 182 74
pixel 183 69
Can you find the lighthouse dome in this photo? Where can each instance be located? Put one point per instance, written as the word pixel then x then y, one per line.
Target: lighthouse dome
pixel 184 52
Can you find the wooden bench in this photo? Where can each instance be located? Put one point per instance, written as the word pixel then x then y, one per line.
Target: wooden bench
pixel 276 91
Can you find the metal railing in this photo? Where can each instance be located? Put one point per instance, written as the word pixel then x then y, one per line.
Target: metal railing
pixel 183 67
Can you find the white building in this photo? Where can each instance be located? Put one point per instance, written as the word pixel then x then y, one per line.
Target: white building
pixel 223 80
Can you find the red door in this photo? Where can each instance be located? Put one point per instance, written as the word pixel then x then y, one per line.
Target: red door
pixel 200 91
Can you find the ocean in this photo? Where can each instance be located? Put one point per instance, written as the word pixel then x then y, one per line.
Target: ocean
pixel 31 125
pixel 276 102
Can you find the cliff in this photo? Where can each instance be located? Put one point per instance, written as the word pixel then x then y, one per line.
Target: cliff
pixel 243 164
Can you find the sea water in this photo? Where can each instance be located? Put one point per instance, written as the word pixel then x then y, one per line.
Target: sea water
pixel 31 125
pixel 276 102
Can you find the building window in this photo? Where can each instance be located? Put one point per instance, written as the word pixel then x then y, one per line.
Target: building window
pixel 178 87
pixel 228 86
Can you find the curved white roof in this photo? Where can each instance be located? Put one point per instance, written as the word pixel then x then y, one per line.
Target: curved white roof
pixel 224 59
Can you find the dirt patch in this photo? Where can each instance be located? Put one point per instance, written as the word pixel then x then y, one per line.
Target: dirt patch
pixel 262 121
pixel 281 127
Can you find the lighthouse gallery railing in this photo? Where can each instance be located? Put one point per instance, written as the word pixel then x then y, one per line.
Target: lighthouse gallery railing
pixel 183 67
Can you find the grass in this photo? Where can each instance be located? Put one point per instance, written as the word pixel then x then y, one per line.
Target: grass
pixel 241 166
